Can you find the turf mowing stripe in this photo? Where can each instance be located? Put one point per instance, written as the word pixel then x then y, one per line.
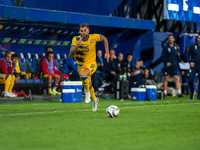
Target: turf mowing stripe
pixel 91 109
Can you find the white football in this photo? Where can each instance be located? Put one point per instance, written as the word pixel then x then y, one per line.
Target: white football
pixel 112 111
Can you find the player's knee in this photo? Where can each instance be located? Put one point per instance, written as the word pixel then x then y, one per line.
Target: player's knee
pixel 49 76
pixel 176 78
pixel 57 76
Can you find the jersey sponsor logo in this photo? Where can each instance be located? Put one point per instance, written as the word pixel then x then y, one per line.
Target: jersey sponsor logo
pixel 169 50
pixel 92 66
pixel 91 41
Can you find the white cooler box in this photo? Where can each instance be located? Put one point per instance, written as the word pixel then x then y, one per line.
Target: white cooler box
pixel 138 94
pixel 76 85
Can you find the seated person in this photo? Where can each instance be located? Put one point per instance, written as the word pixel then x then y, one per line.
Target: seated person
pixel 6 76
pixel 16 69
pixel 142 66
pixel 98 76
pixel 49 49
pixel 49 71
pixel 138 76
pixel 70 68
pixel 111 70
pixel 128 65
pixel 120 62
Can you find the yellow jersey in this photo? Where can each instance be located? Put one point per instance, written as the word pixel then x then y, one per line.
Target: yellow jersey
pixel 86 53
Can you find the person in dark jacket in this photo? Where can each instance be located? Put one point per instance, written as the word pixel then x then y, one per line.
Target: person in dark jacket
pixel 194 52
pixel 171 56
pixel 111 69
pixel 120 62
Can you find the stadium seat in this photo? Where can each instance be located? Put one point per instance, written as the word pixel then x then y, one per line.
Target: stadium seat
pixel 21 81
pixel 57 61
pixel 35 62
pixel 63 57
pixel 22 62
pixel 29 62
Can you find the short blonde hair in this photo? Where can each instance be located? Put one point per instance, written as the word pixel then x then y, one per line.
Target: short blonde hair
pixel 84 25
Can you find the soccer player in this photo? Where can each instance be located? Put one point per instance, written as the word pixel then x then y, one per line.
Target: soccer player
pixel 194 52
pixel 170 56
pixel 47 67
pixel 6 76
pixel 84 47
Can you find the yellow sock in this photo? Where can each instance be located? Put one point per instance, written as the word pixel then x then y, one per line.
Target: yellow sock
pixel 55 87
pixel 7 82
pixel 12 82
pixel 92 93
pixel 85 83
pixel 49 88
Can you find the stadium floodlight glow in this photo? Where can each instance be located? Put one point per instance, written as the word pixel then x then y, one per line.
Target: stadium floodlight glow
pixel 173 7
pixel 30 29
pixel 45 29
pixel 15 28
pixel 196 10
pixel 23 28
pixel 71 33
pixel 59 31
pixel 65 32
pixel 7 27
pixel 182 10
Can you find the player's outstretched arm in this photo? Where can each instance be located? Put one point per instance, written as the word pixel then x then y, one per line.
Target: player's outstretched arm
pixel 74 49
pixel 105 42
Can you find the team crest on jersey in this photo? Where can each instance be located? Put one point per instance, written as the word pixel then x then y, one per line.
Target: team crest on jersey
pixel 91 41
pixel 175 47
pixel 92 66
pixel 169 50
pixel 195 47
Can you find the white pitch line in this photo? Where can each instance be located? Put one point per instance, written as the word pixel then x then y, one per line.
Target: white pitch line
pixel 32 113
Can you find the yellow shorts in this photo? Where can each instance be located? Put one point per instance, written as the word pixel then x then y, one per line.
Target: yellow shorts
pixel 3 77
pixel 44 77
pixel 91 66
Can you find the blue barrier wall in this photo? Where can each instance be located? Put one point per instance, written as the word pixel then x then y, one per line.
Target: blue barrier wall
pixel 98 7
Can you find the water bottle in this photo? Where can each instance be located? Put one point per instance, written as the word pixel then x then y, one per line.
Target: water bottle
pixel 125 74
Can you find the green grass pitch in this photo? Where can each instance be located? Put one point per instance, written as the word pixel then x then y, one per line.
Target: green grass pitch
pixel 170 124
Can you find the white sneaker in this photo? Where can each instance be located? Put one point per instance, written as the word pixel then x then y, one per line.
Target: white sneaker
pixel 14 95
pixel 94 106
pixel 104 84
pixel 7 94
pixel 87 98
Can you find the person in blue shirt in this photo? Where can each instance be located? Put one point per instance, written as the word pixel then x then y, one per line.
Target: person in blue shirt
pixel 70 68
pixel 171 56
pixel 194 52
